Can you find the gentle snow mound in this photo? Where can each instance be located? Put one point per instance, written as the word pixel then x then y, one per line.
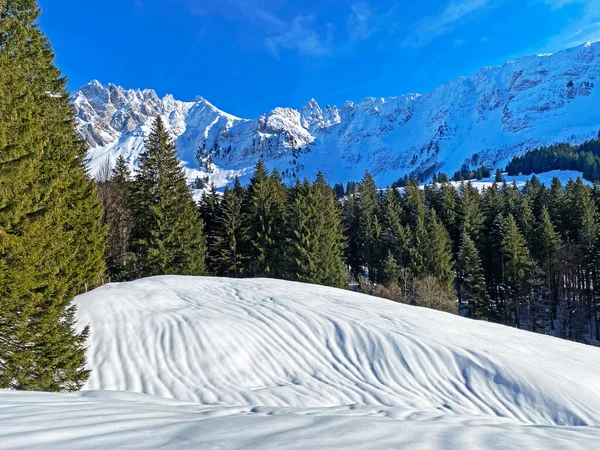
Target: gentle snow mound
pixel 272 343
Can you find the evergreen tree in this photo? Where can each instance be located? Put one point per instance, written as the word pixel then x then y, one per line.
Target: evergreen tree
pixel 210 209
pixel 168 231
pixel 115 193
pixel 352 232
pixel 438 251
pixel 471 280
pixel 517 264
pixel 547 242
pixel 369 226
pixel 394 236
pixel 315 243
pixel 264 210
pixel 231 234
pixel 390 270
pixel 499 178
pixel 52 240
pixel 469 211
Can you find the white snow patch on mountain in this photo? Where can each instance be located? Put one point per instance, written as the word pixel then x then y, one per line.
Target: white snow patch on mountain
pixel 272 364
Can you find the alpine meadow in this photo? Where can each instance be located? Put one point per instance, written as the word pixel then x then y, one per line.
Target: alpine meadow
pixel 406 271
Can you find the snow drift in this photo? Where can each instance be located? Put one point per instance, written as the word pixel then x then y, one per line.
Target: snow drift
pixel 272 364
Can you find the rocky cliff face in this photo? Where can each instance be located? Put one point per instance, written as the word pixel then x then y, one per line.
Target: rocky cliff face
pixel 483 119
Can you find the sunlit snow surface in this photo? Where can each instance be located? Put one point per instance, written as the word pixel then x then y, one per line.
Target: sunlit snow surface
pixel 273 364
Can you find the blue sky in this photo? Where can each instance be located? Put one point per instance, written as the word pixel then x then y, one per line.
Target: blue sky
pixel 248 56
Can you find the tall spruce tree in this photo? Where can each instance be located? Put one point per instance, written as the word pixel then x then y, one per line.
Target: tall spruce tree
pixel 547 242
pixel 369 225
pixel 210 209
pixel 438 251
pixel 168 231
pixel 315 243
pixel 471 284
pixel 517 264
pixel 230 260
pixel 51 235
pixel 263 214
pixel 115 193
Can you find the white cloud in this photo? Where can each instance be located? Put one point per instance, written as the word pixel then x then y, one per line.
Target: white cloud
pixel 361 21
pixel 301 36
pixel 453 15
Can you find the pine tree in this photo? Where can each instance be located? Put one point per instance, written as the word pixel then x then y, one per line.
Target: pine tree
pixel 390 270
pixel 230 260
pixel 471 280
pixel 264 211
pixel 350 214
pixel 438 251
pixel 547 242
pixel 394 236
pixel 116 198
pixel 210 209
pixel 52 240
pixel 499 178
pixel 470 216
pixel 315 243
pixel 369 226
pixel 168 231
pixel 516 264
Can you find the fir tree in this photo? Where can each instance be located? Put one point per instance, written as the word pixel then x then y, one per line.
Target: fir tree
pixel 369 225
pixel 516 263
pixel 390 270
pixel 168 232
pixel 115 193
pixel 52 240
pixel 210 205
pixel 471 280
pixel 438 251
pixel 470 215
pixel 315 243
pixel 230 259
pixel 264 210
pixel 499 178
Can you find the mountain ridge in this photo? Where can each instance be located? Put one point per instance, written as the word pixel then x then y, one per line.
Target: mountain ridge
pixel 486 118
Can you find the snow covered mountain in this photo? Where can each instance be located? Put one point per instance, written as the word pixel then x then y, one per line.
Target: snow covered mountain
pixel 197 362
pixel 486 118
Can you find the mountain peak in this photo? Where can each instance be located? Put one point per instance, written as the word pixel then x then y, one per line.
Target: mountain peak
pixel 486 118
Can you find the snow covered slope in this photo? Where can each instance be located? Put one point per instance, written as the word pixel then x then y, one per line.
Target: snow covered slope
pixel 272 364
pixel 486 118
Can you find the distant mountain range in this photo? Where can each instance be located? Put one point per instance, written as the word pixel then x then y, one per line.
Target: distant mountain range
pixel 487 118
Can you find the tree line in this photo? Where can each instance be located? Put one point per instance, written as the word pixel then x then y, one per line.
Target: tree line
pixel 584 158
pixel 529 258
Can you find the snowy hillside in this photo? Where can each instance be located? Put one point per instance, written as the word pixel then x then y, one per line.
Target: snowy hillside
pixel 486 118
pixel 272 364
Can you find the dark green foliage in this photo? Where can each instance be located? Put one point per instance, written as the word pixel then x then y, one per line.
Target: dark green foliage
pixel 114 188
pixel 438 251
pixel 209 213
pixel 471 280
pixel 52 239
pixel 369 226
pixel 264 213
pixel 467 174
pixel 168 232
pixel 315 242
pixel 517 263
pixel 231 235
pixel 583 158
